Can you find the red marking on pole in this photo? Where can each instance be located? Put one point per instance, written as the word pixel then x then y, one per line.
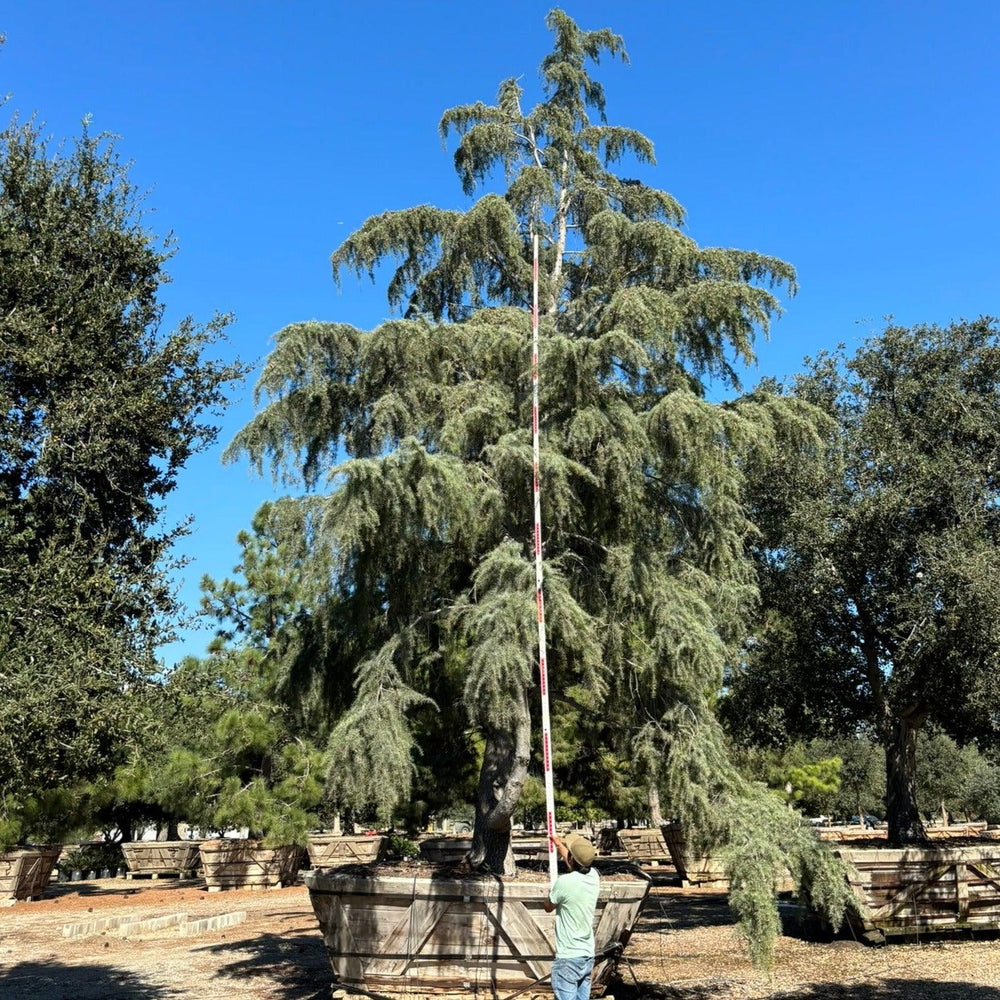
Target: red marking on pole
pixel 543 671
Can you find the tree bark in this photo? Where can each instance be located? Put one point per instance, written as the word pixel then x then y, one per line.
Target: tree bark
pixel 655 816
pixel 905 825
pixel 505 766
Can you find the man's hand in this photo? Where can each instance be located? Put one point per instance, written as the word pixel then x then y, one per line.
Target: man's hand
pixel 561 849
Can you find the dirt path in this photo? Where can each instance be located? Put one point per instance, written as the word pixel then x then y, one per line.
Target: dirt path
pixel 684 949
pixel 276 954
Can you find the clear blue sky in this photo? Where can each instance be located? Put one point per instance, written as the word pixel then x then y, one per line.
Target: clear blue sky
pixel 858 140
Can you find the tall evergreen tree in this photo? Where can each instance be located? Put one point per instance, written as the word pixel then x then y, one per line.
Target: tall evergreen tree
pixel 421 428
pixel 880 567
pixel 100 411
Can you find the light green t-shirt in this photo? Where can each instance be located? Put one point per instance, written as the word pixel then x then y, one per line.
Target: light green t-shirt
pixel 575 896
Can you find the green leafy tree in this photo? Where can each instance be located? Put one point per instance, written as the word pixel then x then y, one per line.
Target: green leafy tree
pixel 981 795
pixel 100 412
pixel 256 763
pixel 862 776
pixel 943 772
pixel 880 568
pixel 812 786
pixel 421 430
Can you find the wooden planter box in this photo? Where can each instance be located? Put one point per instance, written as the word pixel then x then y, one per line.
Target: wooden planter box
pixel 451 850
pixel 645 847
pixel 161 857
pixel 26 871
pixel 845 834
pixel 910 890
pixel 246 864
pixel 403 935
pixel 445 850
pixel 326 850
pixel 608 842
pixel 694 869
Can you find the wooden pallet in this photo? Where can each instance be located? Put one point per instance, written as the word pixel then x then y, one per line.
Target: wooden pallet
pixel 154 876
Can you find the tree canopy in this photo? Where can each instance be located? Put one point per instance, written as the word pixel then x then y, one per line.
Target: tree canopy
pixel 880 567
pixel 412 442
pixel 100 412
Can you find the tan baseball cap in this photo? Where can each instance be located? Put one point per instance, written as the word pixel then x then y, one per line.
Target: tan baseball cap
pixel 583 850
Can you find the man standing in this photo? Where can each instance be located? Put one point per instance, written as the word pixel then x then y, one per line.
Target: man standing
pixel 574 898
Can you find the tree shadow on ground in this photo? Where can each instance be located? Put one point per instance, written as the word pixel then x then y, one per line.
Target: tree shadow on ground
pixel 118 887
pixel 294 961
pixel 53 980
pixel 878 989
pixel 622 990
pixel 662 914
pixel 891 989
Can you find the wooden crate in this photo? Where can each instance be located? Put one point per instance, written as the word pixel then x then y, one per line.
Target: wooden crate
pixel 451 850
pixel 161 857
pixel 645 846
pixel 845 834
pixel 956 831
pixel 418 935
pixel 445 850
pixel 326 850
pixel 694 869
pixel 26 871
pixel 246 864
pixel 910 890
pixel 608 842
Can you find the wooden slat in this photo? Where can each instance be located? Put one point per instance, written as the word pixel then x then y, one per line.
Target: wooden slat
pixel 407 937
pixel 343 949
pixel 529 942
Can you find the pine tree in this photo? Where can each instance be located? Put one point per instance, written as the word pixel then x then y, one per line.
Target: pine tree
pixel 421 429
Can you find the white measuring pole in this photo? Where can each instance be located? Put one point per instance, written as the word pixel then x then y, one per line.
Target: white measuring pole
pixel 550 807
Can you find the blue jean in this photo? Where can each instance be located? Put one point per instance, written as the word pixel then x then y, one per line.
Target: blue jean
pixel 571 978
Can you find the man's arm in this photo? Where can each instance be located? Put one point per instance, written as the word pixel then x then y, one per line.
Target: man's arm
pixel 563 852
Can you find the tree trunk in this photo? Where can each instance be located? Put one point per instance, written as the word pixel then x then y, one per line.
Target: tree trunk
pixel 905 825
pixel 655 816
pixel 172 832
pixel 505 766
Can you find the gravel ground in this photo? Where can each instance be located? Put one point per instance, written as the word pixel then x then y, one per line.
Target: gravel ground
pixel 684 948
